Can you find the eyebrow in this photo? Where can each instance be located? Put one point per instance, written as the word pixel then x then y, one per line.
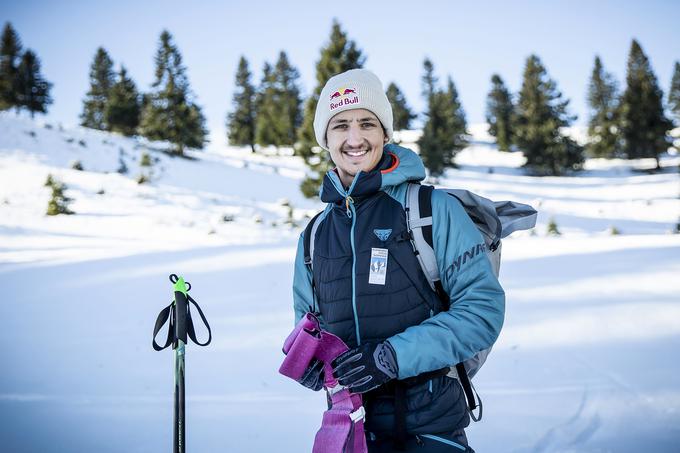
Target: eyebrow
pixel 343 121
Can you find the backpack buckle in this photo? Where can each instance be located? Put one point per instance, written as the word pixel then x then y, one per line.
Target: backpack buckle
pixel 358 415
pixel 333 390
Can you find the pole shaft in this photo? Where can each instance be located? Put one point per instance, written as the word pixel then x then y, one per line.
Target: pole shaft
pixel 180 341
pixel 180 425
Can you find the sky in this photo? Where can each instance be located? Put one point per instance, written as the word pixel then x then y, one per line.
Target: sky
pixel 468 41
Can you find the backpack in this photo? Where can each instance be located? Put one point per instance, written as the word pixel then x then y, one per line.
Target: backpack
pixel 494 220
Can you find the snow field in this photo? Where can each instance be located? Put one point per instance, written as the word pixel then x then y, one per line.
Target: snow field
pixel 586 361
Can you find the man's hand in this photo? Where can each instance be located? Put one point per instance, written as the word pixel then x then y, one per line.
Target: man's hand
pixel 313 376
pixel 366 367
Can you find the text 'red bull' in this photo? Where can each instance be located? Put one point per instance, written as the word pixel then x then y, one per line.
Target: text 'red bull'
pixel 345 101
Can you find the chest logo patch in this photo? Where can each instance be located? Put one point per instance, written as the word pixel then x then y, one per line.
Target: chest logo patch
pixel 378 269
pixel 383 235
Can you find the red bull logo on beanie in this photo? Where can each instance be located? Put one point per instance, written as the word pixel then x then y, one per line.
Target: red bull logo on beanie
pixel 343 96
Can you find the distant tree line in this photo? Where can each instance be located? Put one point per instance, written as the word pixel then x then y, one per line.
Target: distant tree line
pixel 270 113
pixel 631 124
pixel 168 112
pixel 22 86
pixel 534 123
pixel 273 112
pixel 112 103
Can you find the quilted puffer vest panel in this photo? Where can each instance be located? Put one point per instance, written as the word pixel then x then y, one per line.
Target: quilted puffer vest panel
pixel 381 310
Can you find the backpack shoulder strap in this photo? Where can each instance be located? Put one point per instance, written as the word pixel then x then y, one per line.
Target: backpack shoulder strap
pixel 308 238
pixel 419 223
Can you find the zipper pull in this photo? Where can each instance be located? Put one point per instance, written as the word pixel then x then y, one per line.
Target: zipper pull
pixel 348 202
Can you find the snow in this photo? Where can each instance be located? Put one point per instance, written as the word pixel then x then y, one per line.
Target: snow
pixel 586 362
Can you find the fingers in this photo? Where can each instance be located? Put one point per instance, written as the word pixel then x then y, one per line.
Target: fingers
pixel 316 365
pixel 346 365
pixel 347 357
pixel 348 375
pixel 313 377
pixel 363 385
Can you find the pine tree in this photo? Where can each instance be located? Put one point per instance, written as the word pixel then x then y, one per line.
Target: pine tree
pixel 241 121
pixel 552 229
pixel 427 143
pixel 289 111
pixel 58 202
pixel 123 107
pixel 266 107
pixel 102 78
pixel 643 123
pixel 499 113
pixel 445 127
pixel 457 124
pixel 10 54
pixel 170 113
pixel 277 104
pixel 540 114
pixel 32 90
pixel 340 54
pixel 400 110
pixel 603 101
pixel 674 94
pixel 429 80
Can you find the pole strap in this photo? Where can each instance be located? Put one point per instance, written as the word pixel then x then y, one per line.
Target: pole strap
pixel 169 312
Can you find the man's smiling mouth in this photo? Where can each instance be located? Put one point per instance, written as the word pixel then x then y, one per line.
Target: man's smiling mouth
pixel 358 153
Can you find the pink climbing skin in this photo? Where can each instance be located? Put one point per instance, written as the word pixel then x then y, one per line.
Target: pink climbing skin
pixel 342 426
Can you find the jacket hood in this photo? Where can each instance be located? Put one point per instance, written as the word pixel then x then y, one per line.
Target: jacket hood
pixel 397 165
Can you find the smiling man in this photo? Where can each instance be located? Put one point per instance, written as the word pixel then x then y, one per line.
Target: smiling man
pixel 356 270
pixel 355 139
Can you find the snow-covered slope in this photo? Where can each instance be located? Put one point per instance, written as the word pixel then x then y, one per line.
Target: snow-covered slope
pixel 207 200
pixel 586 361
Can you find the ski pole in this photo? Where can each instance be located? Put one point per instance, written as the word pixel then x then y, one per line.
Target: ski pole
pixel 181 325
pixel 178 345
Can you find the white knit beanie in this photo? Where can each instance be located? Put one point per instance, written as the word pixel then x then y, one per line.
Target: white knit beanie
pixel 353 89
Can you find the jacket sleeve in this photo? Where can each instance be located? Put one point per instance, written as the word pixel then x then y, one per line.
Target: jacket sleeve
pixel 303 295
pixel 475 317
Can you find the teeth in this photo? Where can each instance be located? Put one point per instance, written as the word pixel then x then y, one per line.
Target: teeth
pixel 356 153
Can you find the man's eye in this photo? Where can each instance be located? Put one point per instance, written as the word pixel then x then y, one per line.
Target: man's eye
pixel 368 125
pixel 340 126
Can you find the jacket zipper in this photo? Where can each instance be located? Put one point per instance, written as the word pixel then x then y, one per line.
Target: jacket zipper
pixel 351 213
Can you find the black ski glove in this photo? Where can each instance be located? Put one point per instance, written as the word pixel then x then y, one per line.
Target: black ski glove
pixel 313 376
pixel 366 367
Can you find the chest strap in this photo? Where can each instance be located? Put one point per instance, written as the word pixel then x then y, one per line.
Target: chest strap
pixel 342 426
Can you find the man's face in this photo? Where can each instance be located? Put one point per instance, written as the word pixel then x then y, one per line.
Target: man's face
pixel 355 139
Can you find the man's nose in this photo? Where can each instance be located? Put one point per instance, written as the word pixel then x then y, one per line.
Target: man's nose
pixel 354 137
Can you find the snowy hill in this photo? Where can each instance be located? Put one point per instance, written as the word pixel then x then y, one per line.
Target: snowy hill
pixel 586 360
pixel 184 206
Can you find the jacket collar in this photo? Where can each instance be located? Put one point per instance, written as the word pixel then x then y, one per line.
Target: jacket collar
pixel 396 166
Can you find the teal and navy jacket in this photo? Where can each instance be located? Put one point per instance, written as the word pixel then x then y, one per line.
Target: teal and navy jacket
pixel 404 310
